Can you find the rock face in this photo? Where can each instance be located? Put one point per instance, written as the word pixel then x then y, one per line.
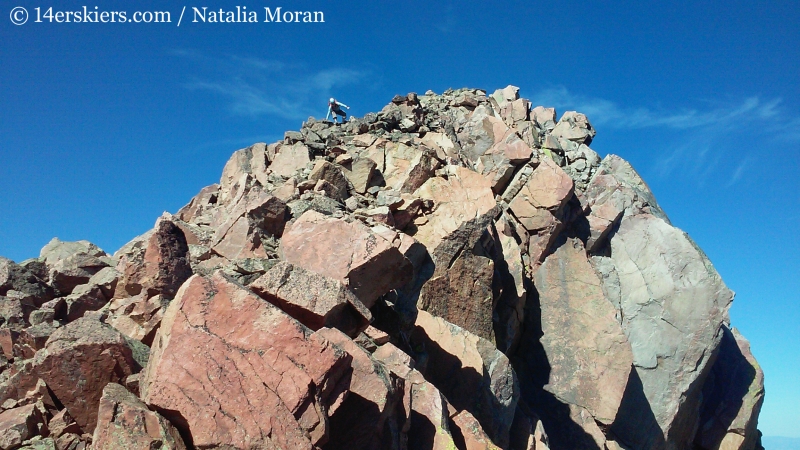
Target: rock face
pixel 230 369
pixel 457 271
pixel 314 300
pixel 471 373
pixel 77 362
pixel 124 422
pixel 589 356
pixel 732 397
pixel 347 251
pixel 673 304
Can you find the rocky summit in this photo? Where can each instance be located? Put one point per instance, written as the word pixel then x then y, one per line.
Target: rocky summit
pixel 457 271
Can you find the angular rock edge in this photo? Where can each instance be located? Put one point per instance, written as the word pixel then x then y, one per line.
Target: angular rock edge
pixel 455 271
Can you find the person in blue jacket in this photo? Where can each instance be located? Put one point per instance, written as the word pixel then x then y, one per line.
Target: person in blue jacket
pixel 335 109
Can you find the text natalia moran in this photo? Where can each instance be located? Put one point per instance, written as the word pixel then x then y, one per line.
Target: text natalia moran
pixel 242 15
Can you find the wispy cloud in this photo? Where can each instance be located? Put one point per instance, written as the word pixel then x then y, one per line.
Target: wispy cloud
pixel 606 112
pixel 700 145
pixel 740 170
pixel 257 87
pixel 447 22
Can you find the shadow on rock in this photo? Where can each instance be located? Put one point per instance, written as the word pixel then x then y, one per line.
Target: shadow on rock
pixel 635 424
pixel 464 387
pixel 533 368
pixel 347 425
pixel 423 433
pixel 731 389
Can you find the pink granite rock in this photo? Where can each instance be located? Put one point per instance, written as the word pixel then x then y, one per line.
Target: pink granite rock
pixel 241 230
pixel 470 372
pixel 158 267
pixel 324 170
pixel 78 360
pixel 229 369
pixel 125 423
pixel 463 205
pixel 20 424
pixel 538 205
pixel 349 252
pixel 289 159
pixel 137 317
pixel 589 355
pixel 314 300
pixel 368 416
pixel 471 432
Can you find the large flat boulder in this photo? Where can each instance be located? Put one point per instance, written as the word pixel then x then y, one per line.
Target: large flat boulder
pixel 350 252
pixel 672 304
pixel 229 369
pixel 313 299
pixel 587 351
pixel 290 158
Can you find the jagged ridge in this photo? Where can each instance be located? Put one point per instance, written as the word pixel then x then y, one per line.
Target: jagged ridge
pixel 455 271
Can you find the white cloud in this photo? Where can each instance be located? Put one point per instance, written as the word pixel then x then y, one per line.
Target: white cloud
pixel 257 87
pixel 701 143
pixel 606 112
pixel 740 170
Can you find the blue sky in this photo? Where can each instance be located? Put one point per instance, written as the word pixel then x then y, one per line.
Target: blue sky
pixel 104 126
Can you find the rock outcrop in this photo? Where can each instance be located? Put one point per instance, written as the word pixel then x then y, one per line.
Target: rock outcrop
pixel 79 360
pixel 457 271
pixel 124 422
pixel 230 369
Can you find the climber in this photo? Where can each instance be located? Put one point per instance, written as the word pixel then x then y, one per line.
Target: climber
pixel 334 109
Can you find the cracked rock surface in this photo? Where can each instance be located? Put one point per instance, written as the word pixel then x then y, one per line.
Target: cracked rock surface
pixel 456 271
